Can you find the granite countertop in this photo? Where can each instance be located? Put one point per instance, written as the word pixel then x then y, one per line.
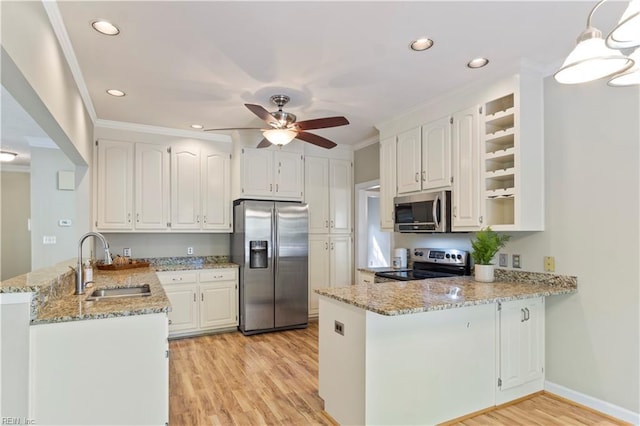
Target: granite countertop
pixel 373 270
pixel 53 287
pixel 408 297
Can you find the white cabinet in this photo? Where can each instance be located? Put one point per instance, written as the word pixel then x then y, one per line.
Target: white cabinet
pixel 201 301
pixel 408 159
pixel 424 157
pixel 466 171
pixel 512 192
pixel 328 192
pixel 100 371
pixel 268 174
pixel 330 264
pixel 521 345
pixel 387 182
pixel 200 188
pixel 132 186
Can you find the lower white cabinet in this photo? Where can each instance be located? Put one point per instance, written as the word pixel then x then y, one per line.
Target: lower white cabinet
pixel 521 348
pixel 100 371
pixel 201 301
pixel 330 264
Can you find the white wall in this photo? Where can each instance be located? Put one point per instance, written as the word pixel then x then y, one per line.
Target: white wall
pixel 169 244
pixel 15 211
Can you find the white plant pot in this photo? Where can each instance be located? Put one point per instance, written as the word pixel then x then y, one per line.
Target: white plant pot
pixel 484 273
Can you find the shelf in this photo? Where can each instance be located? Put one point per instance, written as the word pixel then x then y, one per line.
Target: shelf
pixel 508 152
pixel 499 114
pixel 502 123
pixel 495 106
pixel 500 193
pixel 496 173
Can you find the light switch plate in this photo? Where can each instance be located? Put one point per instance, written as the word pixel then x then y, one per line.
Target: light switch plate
pixel 503 260
pixel 549 264
pixel 515 261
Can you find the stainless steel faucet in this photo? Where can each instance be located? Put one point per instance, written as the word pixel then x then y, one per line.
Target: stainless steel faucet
pixel 107 258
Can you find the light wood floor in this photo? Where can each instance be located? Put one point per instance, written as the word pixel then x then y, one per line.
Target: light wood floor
pixel 230 379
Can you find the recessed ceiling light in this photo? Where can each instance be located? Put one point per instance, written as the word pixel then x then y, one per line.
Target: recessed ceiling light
pixel 478 63
pixel 116 92
pixel 197 126
pixel 7 156
pixel 105 27
pixel 421 44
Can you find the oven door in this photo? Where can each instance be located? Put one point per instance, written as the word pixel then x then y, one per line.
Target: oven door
pixel 422 212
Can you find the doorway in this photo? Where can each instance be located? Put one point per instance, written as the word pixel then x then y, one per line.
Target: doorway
pixel 373 247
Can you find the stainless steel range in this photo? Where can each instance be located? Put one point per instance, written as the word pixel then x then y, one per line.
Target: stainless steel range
pixel 431 263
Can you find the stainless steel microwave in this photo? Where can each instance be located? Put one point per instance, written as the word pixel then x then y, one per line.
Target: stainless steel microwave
pixel 428 212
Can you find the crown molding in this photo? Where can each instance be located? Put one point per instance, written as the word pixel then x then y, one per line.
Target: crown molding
pixel 6 167
pixel 53 12
pixel 166 131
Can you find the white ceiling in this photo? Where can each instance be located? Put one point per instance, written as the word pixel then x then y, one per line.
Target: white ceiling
pixel 184 62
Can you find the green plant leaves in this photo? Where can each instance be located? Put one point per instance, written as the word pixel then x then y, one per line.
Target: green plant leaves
pixel 486 245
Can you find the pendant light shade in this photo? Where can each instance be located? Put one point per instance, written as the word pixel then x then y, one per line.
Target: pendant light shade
pixel 279 136
pixel 627 33
pixel 631 77
pixel 591 60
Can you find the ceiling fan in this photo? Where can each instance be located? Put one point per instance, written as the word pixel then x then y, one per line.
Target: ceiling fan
pixel 284 128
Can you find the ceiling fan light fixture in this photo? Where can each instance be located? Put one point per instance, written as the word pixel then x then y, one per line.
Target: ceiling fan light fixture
pixel 105 27
pixel 630 77
pixel 421 44
pixel 197 126
pixel 6 156
pixel 627 33
pixel 477 63
pixel 279 137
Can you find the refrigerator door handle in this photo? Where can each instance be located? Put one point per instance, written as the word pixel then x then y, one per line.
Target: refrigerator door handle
pixel 274 237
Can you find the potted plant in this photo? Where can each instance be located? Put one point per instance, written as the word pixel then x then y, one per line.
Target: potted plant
pixel 485 246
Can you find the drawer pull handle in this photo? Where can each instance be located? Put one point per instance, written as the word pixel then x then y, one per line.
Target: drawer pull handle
pixel 176 279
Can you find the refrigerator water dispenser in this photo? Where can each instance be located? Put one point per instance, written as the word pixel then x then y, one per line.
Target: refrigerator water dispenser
pixel 258 254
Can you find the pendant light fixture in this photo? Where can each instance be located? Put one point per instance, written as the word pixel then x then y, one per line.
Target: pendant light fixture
pixel 627 33
pixel 628 78
pixel 591 59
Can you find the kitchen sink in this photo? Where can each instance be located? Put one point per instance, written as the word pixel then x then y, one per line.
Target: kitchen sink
pixel 120 292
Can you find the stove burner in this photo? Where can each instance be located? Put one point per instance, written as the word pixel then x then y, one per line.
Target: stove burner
pixel 432 263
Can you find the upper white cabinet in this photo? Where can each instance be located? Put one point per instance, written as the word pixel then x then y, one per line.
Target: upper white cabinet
pixel 328 192
pixel 387 182
pixel 512 183
pixel 466 171
pixel 409 157
pixel 200 188
pixel 132 186
pixel 268 174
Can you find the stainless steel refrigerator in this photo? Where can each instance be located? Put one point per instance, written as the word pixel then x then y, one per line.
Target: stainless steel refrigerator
pixel 270 243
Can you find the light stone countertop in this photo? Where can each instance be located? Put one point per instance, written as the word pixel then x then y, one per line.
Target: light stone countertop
pixel 408 297
pixel 53 287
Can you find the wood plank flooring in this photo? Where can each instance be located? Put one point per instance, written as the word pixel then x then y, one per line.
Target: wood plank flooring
pixel 272 379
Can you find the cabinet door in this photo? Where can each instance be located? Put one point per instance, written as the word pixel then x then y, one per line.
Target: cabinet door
pixel 114 185
pixel 151 186
pixel 408 161
pixel 185 187
pixel 340 195
pixel 218 304
pixel 184 307
pixel 436 154
pixel 521 342
pixel 257 173
pixel 466 170
pixel 316 193
pixel 341 261
pixel 289 174
pixel 387 182
pixel 318 268
pixel 216 184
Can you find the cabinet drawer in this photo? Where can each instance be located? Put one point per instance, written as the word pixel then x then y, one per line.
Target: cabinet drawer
pixel 177 277
pixel 218 275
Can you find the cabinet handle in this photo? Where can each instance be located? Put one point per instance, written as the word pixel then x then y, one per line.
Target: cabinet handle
pixel 204 219
pixel 523 318
pixel 202 296
pixel 194 297
pixel 424 176
pixel 270 187
pixel 198 219
pixel 138 217
pixel 527 314
pixel 455 211
pixel 129 217
pixel 326 224
pixel 417 176
pixel 277 188
pixel 176 279
pixel 481 218
pixel 331 223
pixel 170 322
pixel 326 246
pixel 332 246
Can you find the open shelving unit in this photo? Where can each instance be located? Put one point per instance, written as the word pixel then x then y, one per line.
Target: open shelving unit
pixel 499 156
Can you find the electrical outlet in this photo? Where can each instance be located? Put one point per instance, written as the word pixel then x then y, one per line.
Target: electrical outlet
pixel 49 239
pixel 339 328
pixel 503 260
pixel 549 264
pixel 515 261
pixel 189 250
pixel 126 252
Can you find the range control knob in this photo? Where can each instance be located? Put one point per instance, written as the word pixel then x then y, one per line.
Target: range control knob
pixel 419 253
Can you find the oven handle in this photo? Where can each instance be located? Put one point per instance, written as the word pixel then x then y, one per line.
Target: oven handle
pixel 435 211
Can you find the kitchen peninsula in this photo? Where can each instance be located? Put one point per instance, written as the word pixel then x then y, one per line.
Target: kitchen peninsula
pixel 424 352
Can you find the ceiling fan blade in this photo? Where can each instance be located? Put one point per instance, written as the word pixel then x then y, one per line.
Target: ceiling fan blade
pixel 316 140
pixel 262 113
pixel 233 128
pixel 264 143
pixel 322 123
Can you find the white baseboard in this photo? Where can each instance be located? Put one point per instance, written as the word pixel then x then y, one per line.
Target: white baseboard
pixel 594 403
